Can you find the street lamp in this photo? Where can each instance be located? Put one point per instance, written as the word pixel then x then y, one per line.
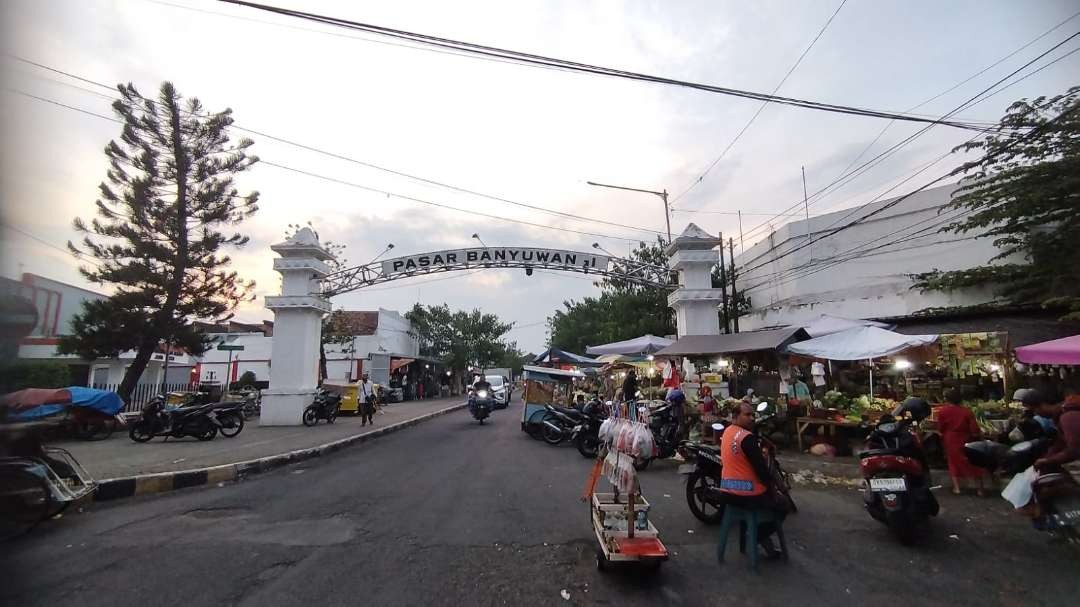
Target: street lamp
pixel 384 251
pixel 661 194
pixel 596 245
pixel 477 236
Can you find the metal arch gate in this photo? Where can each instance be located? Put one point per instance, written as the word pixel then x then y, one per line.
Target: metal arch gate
pixel 423 264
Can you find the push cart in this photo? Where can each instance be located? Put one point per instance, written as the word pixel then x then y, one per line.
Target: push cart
pixel 624 531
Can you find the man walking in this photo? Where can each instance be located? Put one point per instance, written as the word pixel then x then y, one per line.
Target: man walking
pixel 366 397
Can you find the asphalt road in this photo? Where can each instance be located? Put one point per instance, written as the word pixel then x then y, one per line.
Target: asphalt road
pixel 453 513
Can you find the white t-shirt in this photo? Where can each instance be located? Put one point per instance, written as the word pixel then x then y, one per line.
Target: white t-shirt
pixel 364 390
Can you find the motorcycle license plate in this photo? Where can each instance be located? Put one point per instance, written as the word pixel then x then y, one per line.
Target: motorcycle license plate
pixel 888 484
pixel 687 468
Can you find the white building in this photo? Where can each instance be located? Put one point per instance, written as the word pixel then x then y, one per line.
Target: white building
pixel 791 289
pixel 376 332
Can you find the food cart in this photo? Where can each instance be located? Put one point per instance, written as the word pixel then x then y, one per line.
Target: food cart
pixel 620 518
pixel 545 386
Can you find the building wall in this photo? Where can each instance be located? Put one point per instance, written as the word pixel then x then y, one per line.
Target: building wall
pixel 876 284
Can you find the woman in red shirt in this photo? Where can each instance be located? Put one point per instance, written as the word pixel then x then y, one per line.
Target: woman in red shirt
pixel 958 426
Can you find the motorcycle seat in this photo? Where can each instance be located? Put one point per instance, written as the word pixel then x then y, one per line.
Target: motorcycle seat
pixel 574 413
pixel 876 453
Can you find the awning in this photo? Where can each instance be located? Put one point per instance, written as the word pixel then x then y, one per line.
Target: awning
pixel 859 343
pixel 557 356
pixel 646 344
pixel 734 343
pixel 397 363
pixel 1064 351
pixel 826 325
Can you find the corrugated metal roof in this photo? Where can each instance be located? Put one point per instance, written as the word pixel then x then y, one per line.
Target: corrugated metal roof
pixel 751 341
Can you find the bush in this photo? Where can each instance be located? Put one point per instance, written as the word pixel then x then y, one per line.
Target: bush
pixel 247 378
pixel 22 374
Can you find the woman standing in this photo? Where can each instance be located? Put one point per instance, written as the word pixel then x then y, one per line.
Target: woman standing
pixel 958 426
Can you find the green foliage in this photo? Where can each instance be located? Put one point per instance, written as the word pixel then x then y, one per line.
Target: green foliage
pixel 247 378
pixel 623 311
pixel 461 339
pixel 158 232
pixel 1024 192
pixel 21 374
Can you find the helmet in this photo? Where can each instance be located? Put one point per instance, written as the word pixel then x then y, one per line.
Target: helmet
pixel 919 408
pixel 1030 397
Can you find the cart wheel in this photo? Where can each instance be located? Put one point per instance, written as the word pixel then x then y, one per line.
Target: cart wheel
pixel 602 563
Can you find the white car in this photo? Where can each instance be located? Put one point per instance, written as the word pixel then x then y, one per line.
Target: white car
pixel 501 388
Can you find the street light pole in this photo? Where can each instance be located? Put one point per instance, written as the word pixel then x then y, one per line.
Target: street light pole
pixel 662 194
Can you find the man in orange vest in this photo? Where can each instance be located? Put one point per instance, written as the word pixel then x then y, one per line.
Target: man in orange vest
pixel 745 475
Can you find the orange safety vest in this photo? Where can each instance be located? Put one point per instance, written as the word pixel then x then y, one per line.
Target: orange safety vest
pixel 737 475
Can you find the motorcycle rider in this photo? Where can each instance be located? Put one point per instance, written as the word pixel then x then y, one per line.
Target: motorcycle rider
pixel 1032 425
pixel 1066 447
pixel 746 477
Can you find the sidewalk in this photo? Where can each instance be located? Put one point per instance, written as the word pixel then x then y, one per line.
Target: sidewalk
pixel 120 457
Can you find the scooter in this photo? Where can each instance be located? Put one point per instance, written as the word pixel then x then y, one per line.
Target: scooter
pixel 325 406
pixel 664 425
pixel 1057 494
pixel 480 404
pixel 560 423
pixel 705 470
pixel 199 421
pixel 586 434
pixel 897 491
pixel 230 417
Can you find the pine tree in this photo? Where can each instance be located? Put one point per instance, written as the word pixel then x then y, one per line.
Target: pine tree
pixel 157 235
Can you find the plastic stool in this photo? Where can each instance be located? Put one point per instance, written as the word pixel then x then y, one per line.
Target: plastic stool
pixel 748 521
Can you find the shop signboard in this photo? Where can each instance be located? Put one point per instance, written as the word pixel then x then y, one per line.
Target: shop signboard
pixel 461 259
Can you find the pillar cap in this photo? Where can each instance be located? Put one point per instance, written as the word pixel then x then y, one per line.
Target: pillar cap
pixel 693 238
pixel 302 244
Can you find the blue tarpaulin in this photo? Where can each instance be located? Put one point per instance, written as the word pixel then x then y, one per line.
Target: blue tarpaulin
pixel 103 401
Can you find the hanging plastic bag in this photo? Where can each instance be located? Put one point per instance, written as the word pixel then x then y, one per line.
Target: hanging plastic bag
pixel 1018 491
pixel 604 433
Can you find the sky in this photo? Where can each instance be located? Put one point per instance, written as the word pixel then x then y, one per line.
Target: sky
pixel 525 134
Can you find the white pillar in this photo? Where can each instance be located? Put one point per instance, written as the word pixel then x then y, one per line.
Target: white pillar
pixel 298 312
pixel 693 255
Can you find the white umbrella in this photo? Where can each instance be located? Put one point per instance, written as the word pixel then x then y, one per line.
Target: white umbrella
pixel 860 343
pixel 827 324
pixel 646 344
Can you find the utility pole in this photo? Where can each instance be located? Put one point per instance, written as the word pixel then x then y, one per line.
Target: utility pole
pixel 723 290
pixel 734 295
pixel 742 243
pixel 806 205
pixel 662 194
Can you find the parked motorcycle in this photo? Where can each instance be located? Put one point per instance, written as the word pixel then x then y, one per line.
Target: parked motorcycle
pixel 705 467
pixel 586 434
pixel 198 420
pixel 1057 494
pixel 325 406
pixel 897 476
pixel 664 424
pixel 230 417
pixel 560 423
pixel 481 403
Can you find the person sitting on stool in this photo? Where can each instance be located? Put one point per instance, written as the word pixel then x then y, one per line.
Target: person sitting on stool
pixel 746 477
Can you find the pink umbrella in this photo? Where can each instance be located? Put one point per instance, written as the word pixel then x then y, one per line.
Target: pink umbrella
pixel 1064 351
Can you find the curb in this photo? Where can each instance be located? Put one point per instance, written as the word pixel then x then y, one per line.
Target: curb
pixel 143 484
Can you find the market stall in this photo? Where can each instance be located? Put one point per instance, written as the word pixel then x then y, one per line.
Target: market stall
pixel 862 343
pixel 644 345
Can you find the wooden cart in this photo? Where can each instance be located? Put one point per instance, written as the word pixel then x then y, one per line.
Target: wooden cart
pixel 619 530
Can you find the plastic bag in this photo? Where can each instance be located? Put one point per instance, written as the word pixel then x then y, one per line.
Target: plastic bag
pixel 643 442
pixel 625 438
pixel 1018 491
pixel 604 433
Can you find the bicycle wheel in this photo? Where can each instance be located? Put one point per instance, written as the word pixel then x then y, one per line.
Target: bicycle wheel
pixel 25 500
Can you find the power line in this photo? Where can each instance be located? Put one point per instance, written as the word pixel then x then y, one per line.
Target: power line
pixel 534 59
pixel 377 190
pixel 761 107
pixel 844 179
pixel 370 165
pixel 900 199
pixel 49 244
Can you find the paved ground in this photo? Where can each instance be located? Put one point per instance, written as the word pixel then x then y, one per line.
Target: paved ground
pixel 119 456
pixel 453 513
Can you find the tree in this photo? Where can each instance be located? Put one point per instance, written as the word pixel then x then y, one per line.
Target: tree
pixel 624 310
pixel 158 232
pixel 1024 192
pixel 458 338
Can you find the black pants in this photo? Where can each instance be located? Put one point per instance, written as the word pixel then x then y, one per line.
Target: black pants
pixel 367 411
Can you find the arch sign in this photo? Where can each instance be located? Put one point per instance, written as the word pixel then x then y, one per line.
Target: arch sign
pixel 528 258
pixel 463 259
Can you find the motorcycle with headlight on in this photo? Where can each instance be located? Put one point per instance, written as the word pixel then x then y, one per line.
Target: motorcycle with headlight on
pixel 481 402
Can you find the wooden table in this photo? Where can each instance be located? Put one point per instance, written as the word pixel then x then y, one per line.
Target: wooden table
pixel 802 423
